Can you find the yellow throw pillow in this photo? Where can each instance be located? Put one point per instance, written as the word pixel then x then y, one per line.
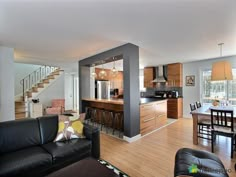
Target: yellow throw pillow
pixel 69 129
pixel 63 123
pixel 75 129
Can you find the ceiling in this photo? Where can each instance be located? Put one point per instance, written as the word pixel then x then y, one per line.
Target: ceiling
pixel 167 31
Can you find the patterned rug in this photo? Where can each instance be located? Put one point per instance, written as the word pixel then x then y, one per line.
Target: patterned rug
pixel 111 167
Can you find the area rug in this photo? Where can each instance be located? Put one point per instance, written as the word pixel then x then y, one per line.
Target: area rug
pixel 111 167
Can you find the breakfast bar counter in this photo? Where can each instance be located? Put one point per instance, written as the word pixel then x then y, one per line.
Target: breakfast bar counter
pixel 110 101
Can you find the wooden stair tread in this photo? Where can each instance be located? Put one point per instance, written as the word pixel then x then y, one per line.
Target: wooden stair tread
pixel 20 112
pixel 19 101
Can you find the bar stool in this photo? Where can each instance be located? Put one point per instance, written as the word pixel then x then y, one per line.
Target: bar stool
pixel 118 121
pixel 91 114
pixel 107 117
pixel 87 114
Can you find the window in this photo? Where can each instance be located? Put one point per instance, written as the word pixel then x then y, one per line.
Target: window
pixel 218 89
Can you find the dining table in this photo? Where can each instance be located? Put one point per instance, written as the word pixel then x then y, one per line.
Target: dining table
pixel 205 110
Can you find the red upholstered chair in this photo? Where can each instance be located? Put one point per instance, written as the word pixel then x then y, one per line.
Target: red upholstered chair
pixel 58 107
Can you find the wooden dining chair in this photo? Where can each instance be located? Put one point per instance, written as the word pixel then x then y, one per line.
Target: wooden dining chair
pixel 192 107
pixel 222 123
pixel 204 123
pixel 198 104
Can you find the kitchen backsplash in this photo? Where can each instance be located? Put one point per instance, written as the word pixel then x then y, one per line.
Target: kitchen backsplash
pixel 151 91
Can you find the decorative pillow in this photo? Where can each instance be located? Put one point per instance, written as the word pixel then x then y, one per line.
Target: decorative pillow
pixel 69 129
pixel 63 122
pixel 75 129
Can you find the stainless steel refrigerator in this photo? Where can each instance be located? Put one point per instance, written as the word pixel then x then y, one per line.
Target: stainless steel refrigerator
pixel 102 89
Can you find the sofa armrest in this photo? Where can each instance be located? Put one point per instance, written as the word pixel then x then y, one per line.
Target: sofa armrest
pixel 93 134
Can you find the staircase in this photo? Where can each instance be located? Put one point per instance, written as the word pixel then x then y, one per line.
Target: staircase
pixel 32 85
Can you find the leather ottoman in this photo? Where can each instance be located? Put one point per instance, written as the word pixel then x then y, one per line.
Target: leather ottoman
pixel 190 162
pixel 84 168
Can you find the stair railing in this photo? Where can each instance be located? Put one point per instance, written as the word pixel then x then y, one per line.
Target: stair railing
pixel 36 77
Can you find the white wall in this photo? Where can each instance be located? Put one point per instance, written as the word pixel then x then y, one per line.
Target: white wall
pixel 71 91
pixel 7 107
pixel 193 93
pixel 54 91
pixel 69 83
pixel 21 71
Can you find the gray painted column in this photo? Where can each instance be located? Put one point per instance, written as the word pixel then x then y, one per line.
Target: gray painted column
pixel 7 102
pixel 130 54
pixel 131 93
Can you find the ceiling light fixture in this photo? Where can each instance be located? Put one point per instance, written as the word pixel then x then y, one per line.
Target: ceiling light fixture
pixel 221 70
pixel 93 74
pixel 114 71
pixel 102 74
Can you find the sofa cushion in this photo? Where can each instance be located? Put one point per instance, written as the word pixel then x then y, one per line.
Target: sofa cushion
pixel 48 128
pixel 18 134
pixel 23 162
pixel 64 150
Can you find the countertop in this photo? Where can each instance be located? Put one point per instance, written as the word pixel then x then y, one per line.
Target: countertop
pixel 111 101
pixel 121 101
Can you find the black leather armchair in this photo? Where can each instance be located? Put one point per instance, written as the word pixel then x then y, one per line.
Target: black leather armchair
pixel 191 162
pixel 27 147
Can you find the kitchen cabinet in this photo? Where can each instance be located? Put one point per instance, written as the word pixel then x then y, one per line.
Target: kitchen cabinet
pixel 116 82
pixel 175 74
pixel 153 115
pixel 161 113
pixel 175 108
pixel 149 77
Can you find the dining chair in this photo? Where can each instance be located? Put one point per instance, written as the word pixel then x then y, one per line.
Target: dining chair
pixel 198 104
pixel 204 123
pixel 222 124
pixel 192 107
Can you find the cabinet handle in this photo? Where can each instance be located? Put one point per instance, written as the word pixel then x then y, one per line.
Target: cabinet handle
pixel 146 120
pixel 161 115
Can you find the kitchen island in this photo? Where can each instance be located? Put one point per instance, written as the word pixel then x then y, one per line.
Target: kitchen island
pixel 153 111
pixel 153 114
pixel 108 104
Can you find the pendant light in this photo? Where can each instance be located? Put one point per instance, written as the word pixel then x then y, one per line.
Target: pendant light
pixel 114 71
pixel 93 74
pixel 221 70
pixel 102 74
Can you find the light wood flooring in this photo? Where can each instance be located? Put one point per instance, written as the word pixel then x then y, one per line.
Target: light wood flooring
pixel 154 154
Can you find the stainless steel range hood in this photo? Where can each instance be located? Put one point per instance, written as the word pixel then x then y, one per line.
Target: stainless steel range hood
pixel 160 74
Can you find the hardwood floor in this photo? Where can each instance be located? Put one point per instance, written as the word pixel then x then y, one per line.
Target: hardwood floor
pixel 154 154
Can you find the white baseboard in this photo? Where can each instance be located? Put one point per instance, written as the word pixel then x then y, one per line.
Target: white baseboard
pixel 132 139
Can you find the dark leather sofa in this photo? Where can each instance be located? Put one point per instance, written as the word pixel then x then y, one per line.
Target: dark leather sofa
pixel 191 162
pixel 27 147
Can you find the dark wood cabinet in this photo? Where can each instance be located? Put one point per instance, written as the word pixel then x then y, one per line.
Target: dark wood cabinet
pixel 175 75
pixel 148 77
pixel 175 108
